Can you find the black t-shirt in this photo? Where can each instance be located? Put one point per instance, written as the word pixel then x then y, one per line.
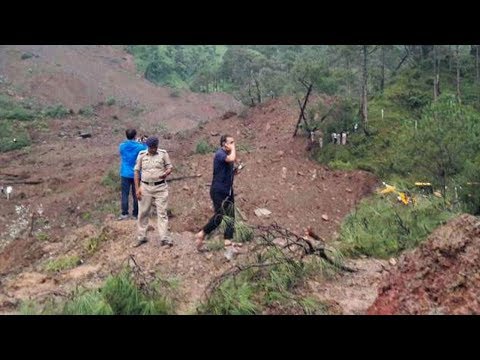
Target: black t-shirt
pixel 222 172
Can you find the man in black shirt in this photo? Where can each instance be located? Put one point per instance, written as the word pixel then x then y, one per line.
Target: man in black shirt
pixel 221 190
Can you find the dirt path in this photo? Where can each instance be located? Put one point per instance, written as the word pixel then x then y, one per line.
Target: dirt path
pixel 353 292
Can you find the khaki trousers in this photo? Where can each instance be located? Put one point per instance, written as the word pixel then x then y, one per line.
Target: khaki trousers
pixel 150 193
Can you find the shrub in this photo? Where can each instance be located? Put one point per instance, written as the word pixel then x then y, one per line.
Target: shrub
pixel 204 147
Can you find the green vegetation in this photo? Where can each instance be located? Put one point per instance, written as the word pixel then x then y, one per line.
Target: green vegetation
pixel 13 110
pixel 13 136
pixel 62 263
pixel 243 232
pixel 204 147
pixel 112 180
pixel 383 227
pixel 19 118
pixel 94 243
pixel 272 284
pixel 110 101
pixel 121 294
pixel 180 66
pixel 57 111
pixel 41 236
pixel 87 111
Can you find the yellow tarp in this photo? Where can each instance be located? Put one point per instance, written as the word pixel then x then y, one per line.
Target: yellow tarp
pixel 422 184
pixel 403 197
pixel 388 189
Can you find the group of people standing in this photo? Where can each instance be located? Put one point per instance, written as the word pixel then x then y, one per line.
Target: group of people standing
pixel 340 138
pixel 144 170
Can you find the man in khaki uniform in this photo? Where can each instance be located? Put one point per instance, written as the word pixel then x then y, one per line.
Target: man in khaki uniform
pixel 154 165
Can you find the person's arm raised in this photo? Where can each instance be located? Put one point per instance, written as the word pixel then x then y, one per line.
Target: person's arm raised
pixel 232 156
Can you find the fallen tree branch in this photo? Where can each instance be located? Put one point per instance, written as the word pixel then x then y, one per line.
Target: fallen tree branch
pixel 184 177
pixel 22 176
pixel 23 182
pixel 293 243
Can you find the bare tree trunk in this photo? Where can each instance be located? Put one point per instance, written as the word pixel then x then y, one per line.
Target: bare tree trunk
pixel 259 95
pixel 382 79
pixel 444 188
pixel 407 54
pixel 349 87
pixel 449 57
pixel 476 64
pixel 478 69
pixel 250 95
pixel 425 50
pixel 458 73
pixel 302 109
pixel 302 113
pixel 436 74
pixel 363 100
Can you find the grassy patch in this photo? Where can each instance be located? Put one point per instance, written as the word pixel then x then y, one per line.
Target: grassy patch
pixel 112 180
pixel 28 307
pixel 244 147
pixel 340 165
pixel 62 263
pixel 93 244
pixel 232 299
pixel 87 111
pixel 12 110
pixel 56 111
pixel 87 216
pixel 120 295
pixel 311 306
pixel 12 136
pixel 89 303
pixel 382 227
pixel 204 147
pixel 41 236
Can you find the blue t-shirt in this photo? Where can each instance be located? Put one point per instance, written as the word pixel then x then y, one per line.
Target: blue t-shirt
pixel 129 150
pixel 222 172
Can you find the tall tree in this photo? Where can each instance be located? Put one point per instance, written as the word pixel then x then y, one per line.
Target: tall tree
pixel 457 58
pixel 436 73
pixel 447 138
pixel 382 76
pixel 477 63
pixel 364 93
pixel 449 57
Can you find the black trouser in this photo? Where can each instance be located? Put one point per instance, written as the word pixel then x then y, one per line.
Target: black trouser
pixel 127 184
pixel 224 204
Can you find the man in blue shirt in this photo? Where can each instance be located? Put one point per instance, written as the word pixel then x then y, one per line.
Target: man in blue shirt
pixel 129 150
pixel 221 190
